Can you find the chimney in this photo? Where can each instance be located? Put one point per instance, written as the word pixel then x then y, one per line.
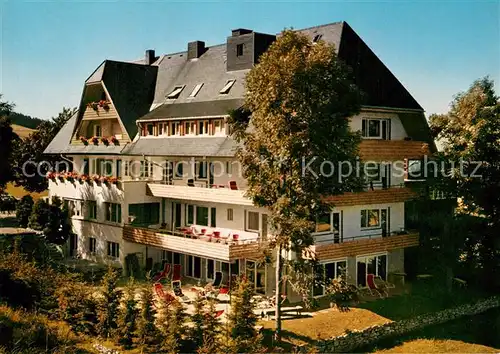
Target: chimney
pixel 149 57
pixel 240 31
pixel 195 49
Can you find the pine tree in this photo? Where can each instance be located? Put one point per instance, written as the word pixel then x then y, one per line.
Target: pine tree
pixel 128 317
pixel 211 330
pixel 108 304
pixel 195 334
pixel 242 320
pixel 146 329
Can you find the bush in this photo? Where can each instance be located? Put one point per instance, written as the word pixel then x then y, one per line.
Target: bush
pixel 22 331
pixel 77 307
pixel 24 207
pixel 22 284
pixel 341 293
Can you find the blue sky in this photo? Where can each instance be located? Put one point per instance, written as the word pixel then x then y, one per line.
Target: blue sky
pixel 48 49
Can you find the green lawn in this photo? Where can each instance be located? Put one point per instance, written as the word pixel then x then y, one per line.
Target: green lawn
pixel 425 296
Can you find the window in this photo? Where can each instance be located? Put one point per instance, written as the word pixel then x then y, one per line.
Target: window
pixel 163 129
pixel 189 214
pixel 252 221
pixel 229 214
pixel 175 92
pixel 202 169
pixel 415 170
pixel 190 128
pixel 324 223
pixel 317 38
pixel 203 127
pixel 325 273
pixel 196 89
pixel 229 168
pixel 201 216
pixel 193 267
pixel 213 217
pixel 176 128
pixel 210 269
pixel 144 213
pixel 239 50
pixel 370 218
pixel 107 167
pixel 218 125
pixel 376 128
pixel 113 212
pixel 373 173
pixel 92 205
pixel 92 245
pixel 97 130
pixel 149 129
pixel 113 249
pixel 146 169
pixel 376 265
pixel 86 166
pixel 227 87
pixel 178 169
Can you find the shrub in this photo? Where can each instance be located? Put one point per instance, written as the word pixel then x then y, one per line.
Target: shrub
pixel 341 293
pixel 22 331
pixel 146 329
pixel 24 208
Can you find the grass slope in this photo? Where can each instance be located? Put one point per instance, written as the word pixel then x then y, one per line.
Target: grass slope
pixel 438 346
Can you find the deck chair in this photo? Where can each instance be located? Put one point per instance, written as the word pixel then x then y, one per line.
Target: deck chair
pixel 176 286
pixel 176 276
pixel 163 274
pixel 370 281
pixel 167 297
pixel 383 283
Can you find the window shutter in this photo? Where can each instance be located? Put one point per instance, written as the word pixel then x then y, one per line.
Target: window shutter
pixel 405 169
pixel 363 127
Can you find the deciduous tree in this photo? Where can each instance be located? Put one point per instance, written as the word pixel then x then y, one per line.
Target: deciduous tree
pixel 30 171
pixel 24 208
pixel 297 146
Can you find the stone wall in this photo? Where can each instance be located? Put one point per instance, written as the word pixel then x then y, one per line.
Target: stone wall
pixel 355 339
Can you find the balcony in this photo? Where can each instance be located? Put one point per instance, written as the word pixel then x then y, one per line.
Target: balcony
pixel 222 247
pixel 199 192
pixel 392 150
pixel 376 196
pixel 358 245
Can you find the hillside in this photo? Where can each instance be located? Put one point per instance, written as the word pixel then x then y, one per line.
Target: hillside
pixel 21 131
pixel 24 120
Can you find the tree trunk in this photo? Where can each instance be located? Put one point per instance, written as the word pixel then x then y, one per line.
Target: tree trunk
pixel 277 314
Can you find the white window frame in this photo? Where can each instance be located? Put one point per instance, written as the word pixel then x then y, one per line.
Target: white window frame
pixel 186 261
pixel 176 166
pixel 92 245
pixel 367 227
pixel 92 209
pixel 190 127
pixel 164 128
pixel 227 87
pixel 323 264
pixel 175 128
pixel 220 129
pixel 195 91
pixel 365 257
pixel 95 130
pixel 175 92
pixel 113 249
pixel 371 166
pixel 203 127
pixel 230 214
pixel 247 220
pixel 229 168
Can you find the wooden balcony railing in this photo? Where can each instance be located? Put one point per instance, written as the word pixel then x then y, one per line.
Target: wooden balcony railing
pixel 392 150
pixel 364 245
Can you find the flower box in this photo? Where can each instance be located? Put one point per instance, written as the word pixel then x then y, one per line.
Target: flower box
pixel 104 104
pixel 51 175
pixel 113 180
pixel 105 140
pixel 95 140
pixel 84 140
pixel 96 178
pixel 114 140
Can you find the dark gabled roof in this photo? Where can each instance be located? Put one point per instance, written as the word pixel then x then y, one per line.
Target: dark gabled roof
pixel 209 69
pixel 183 146
pixel 194 109
pixel 62 140
pixel 131 89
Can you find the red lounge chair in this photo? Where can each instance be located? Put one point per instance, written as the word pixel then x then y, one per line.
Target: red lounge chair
pixel 167 297
pixel 219 313
pixel 163 274
pixel 176 276
pixel 232 185
pixel 224 290
pixel 370 281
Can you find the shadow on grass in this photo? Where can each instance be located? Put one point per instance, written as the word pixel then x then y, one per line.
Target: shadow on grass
pixel 482 329
pixel 425 297
pixel 8 221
